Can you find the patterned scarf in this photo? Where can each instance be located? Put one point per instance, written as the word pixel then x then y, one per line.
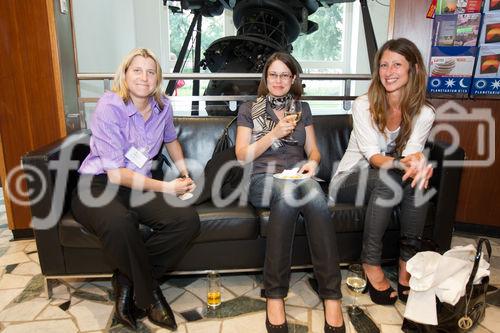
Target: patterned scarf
pixel 262 122
pixel 279 103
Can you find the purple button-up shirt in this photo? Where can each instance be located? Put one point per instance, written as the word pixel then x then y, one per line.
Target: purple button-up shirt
pixel 116 127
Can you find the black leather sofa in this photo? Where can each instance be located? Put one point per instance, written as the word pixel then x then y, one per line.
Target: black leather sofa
pixel 231 238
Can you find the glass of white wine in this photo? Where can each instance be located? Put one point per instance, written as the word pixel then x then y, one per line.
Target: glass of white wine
pixel 356 282
pixel 294 109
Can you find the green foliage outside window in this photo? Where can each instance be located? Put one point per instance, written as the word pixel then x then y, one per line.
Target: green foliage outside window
pixel 326 43
pixel 212 29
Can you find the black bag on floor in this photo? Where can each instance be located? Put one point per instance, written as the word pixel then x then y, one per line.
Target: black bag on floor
pixel 469 310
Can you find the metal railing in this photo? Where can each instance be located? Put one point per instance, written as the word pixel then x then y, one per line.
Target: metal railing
pixel 346 78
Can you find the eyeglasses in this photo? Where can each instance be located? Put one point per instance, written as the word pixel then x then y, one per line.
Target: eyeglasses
pixel 281 76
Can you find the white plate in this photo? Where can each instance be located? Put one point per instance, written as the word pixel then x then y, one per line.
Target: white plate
pixel 185 196
pixel 296 176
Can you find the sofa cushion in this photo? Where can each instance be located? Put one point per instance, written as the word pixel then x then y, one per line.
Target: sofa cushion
pixel 346 217
pixel 217 224
pixel 228 223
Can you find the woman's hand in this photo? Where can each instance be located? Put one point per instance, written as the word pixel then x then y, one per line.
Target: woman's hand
pixel 285 126
pixel 416 167
pixel 310 168
pixel 179 186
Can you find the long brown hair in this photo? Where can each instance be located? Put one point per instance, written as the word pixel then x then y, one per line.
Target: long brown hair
pixel 413 94
pixel 294 67
pixel 119 84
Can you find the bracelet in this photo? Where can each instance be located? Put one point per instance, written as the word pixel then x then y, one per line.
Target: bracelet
pixel 396 163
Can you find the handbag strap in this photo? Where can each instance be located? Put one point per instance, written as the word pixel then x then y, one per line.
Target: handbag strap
pixel 226 129
pixel 230 123
pixel 477 258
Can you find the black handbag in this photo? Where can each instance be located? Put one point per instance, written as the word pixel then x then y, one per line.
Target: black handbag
pixel 418 244
pixel 469 310
pixel 224 142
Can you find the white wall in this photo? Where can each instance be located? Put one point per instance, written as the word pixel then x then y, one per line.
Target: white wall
pixel 104 33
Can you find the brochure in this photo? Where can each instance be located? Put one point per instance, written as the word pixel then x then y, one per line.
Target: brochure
pixel 458 6
pixel 456 30
pixel 491 5
pixel 444 30
pixel 487 73
pixel 467 29
pixel 451 69
pixel 490 32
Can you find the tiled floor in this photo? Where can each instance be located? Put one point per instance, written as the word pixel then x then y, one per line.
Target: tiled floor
pixel 86 305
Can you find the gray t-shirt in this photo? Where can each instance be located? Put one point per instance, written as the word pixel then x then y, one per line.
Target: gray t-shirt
pixel 284 157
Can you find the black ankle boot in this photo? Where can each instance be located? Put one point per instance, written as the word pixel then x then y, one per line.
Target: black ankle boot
pixel 160 313
pixel 124 303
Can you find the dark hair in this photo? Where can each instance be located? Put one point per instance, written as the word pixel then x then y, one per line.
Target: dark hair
pixel 293 66
pixel 413 96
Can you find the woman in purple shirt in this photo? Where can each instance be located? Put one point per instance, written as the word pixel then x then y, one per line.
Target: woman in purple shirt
pixel 116 192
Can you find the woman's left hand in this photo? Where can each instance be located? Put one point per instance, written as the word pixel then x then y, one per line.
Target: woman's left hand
pixel 416 167
pixel 309 168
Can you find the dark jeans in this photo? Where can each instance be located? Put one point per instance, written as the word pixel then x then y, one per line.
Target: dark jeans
pixel 117 226
pixel 378 214
pixel 266 191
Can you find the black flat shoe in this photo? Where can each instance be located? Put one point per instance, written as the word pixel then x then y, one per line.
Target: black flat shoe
pixel 382 297
pixel 282 328
pixel 124 304
pixel 160 313
pixel 401 292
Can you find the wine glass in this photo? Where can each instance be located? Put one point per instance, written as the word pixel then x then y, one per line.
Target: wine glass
pixel 294 109
pixel 356 282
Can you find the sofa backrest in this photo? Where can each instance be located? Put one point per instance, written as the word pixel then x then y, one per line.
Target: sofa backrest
pixel 198 137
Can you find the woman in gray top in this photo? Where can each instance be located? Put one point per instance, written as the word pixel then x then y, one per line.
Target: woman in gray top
pixel 261 140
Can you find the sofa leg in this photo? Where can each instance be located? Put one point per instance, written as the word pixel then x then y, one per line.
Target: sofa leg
pixel 48 284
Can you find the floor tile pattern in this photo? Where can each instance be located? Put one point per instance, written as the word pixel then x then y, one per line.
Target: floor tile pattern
pixel 86 305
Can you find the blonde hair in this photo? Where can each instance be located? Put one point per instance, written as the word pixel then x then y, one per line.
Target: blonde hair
pixel 413 96
pixel 120 85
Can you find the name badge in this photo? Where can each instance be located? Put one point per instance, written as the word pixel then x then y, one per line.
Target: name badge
pixel 137 157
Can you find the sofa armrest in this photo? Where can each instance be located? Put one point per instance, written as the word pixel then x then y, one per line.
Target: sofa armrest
pixel 52 176
pixel 446 180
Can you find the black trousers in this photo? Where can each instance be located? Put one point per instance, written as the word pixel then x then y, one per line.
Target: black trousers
pixel 116 223
pixel 367 187
pixel 279 195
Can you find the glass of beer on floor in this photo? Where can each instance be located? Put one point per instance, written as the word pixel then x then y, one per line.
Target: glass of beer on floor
pixel 213 290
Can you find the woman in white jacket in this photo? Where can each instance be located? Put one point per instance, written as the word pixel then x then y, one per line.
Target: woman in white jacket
pixel 384 166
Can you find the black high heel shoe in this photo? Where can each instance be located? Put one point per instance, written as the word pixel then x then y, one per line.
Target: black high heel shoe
pixel 382 297
pixel 271 328
pixel 333 329
pixel 124 303
pixel 401 292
